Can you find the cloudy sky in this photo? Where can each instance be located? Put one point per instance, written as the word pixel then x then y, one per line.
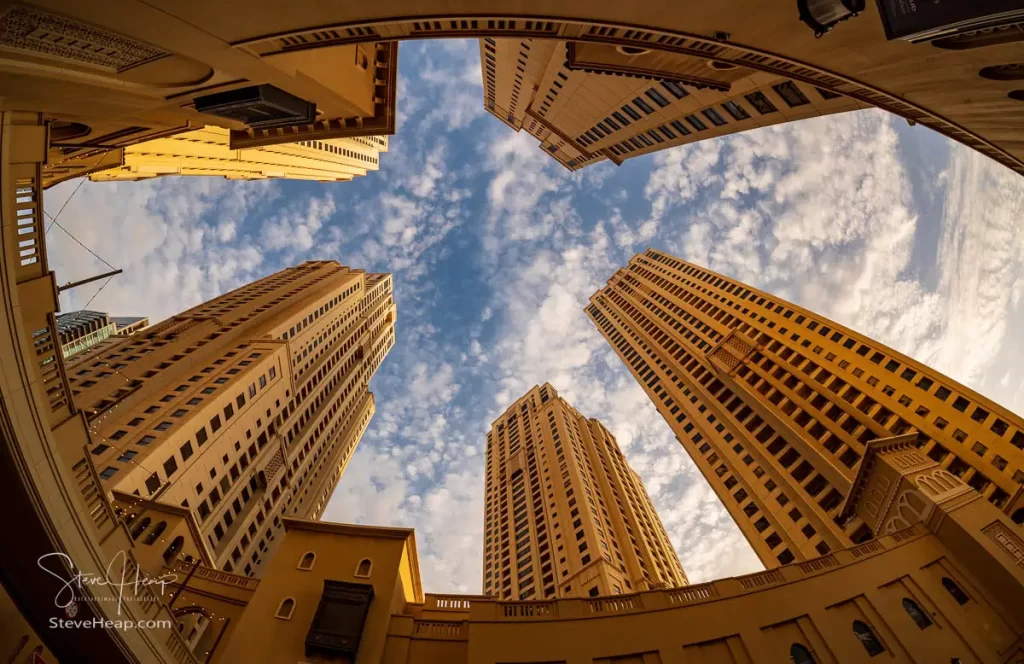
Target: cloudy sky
pixel 887 228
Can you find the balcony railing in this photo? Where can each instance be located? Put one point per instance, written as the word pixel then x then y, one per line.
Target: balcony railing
pixel 489 609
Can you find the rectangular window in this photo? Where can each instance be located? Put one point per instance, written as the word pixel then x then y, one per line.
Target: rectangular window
pixel 735 110
pixel 186 451
pixel 791 94
pixel 680 127
pixel 677 90
pixel 714 116
pixel 621 118
pixel 630 112
pixel 696 123
pixel 761 103
pixel 657 97
pixel 643 106
pixel 201 436
pixel 170 466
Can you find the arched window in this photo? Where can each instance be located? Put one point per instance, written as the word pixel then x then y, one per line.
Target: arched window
pixel 172 551
pixel 307 560
pixel 958 594
pixel 364 567
pixel 157 532
pixel 800 654
pixel 867 638
pixel 285 608
pixel 916 614
pixel 140 528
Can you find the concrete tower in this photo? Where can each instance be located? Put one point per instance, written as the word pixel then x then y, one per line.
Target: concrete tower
pixel 776 404
pixel 565 516
pixel 242 410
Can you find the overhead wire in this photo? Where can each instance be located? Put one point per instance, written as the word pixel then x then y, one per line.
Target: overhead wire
pixel 80 183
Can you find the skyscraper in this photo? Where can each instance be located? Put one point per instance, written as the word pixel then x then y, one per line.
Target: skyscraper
pixel 587 102
pixel 207 151
pixel 775 403
pixel 244 409
pixel 565 516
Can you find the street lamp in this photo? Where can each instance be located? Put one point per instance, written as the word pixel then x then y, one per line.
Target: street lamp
pixel 822 15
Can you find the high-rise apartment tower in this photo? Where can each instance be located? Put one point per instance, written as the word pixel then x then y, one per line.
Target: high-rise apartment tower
pixel 775 403
pixel 241 410
pixel 588 102
pixel 565 516
pixel 207 151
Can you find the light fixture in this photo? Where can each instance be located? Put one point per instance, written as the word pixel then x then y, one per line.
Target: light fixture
pixel 632 50
pixel 822 15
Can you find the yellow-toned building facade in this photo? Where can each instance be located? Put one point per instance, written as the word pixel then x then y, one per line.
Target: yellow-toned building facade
pixel 142 70
pixel 776 404
pixel 587 103
pixel 564 514
pixel 207 151
pixel 941 583
pixel 237 412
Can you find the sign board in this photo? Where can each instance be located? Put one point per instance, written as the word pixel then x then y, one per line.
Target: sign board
pixel 919 20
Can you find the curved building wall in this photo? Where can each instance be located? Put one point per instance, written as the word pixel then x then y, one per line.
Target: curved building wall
pixel 756 618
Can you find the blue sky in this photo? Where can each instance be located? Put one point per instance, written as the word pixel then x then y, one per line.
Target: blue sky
pixel 887 228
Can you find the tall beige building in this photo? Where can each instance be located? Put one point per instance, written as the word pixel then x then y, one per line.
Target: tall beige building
pixel 242 410
pixel 589 102
pixel 207 151
pixel 564 515
pixel 776 404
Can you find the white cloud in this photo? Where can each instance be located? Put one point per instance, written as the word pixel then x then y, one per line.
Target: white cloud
pixel 173 237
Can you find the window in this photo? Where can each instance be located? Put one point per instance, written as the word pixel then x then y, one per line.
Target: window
pixel 867 638
pixel 215 423
pixel 285 609
pixel 306 562
pixel 735 110
pixel 800 654
pixel 643 106
pixel 152 483
pixel 630 112
pixel 170 466
pixel 364 568
pixel 696 123
pixel 677 90
pixel 714 117
pixel 108 472
pixel 201 436
pixel 127 456
pixel 680 127
pixel 763 106
pixel 958 594
pixel 657 97
pixel 919 617
pixel 118 435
